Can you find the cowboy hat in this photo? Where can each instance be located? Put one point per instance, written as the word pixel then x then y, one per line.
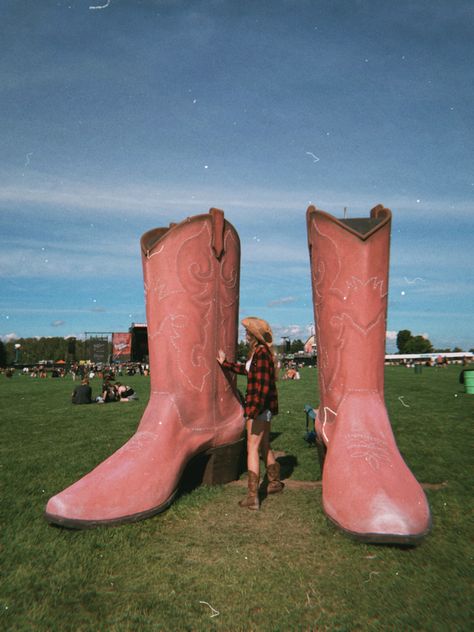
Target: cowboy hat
pixel 259 328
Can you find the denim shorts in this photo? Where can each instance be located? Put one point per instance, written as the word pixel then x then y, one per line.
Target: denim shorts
pixel 266 415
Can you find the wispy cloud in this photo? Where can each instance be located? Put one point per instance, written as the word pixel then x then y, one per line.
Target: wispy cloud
pixel 276 252
pixel 142 197
pixel 66 261
pixel 292 331
pixel 285 300
pixel 45 311
pixel 433 288
pixel 57 323
pixel 9 337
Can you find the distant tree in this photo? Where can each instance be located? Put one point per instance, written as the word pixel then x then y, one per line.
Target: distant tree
pixel 471 350
pixel 242 350
pixel 457 350
pixel 403 337
pixel 10 351
pixel 3 355
pixel 418 344
pixel 296 345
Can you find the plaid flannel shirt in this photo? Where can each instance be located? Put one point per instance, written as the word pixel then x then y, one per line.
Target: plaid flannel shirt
pixel 261 389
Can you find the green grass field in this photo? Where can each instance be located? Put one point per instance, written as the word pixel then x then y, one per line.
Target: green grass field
pixel 283 568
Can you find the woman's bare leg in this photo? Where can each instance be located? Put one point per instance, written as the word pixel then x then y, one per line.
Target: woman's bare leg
pixel 255 434
pixel 267 454
pixel 254 439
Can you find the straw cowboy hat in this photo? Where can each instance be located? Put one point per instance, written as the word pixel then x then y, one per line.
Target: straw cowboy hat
pixel 260 329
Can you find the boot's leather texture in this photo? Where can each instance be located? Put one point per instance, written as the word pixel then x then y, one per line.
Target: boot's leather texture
pixel 368 490
pixel 273 474
pixel 191 273
pixel 251 501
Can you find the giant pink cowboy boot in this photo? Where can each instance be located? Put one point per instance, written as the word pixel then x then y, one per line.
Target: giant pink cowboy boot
pixel 368 490
pixel 191 273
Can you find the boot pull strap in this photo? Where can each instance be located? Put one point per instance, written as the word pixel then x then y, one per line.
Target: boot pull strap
pixel 217 217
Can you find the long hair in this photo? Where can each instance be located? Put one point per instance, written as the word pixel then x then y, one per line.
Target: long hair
pixel 253 344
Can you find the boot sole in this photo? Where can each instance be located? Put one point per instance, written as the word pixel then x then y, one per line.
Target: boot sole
pixel 275 491
pixel 382 538
pixel 214 466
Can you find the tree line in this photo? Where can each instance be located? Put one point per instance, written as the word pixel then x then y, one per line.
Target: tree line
pixel 407 343
pixel 33 350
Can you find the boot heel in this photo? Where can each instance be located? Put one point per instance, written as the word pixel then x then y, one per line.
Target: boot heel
pixel 225 464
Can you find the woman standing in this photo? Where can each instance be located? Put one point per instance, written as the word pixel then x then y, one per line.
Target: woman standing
pixel 261 403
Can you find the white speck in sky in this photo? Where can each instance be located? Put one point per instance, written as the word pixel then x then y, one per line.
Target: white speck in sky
pixel 402 293
pixel 366 60
pixel 28 156
pixel 94 300
pixel 46 260
pixel 206 166
pixel 328 133
pixel 310 153
pixel 418 201
pixel 194 100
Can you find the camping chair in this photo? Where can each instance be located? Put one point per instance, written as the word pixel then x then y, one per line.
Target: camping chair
pixel 310 435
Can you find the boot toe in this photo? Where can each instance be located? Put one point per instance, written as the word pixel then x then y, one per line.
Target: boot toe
pixel 383 519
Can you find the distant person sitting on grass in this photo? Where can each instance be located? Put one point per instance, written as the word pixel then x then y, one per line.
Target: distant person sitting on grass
pixel 109 392
pixel 82 394
pixel 292 374
pixel 125 393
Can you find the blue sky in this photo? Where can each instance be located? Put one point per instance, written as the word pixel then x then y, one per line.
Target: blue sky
pixel 118 119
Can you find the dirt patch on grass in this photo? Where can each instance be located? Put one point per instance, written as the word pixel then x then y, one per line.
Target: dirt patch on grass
pixel 291 483
pixel 442 485
pixel 294 484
